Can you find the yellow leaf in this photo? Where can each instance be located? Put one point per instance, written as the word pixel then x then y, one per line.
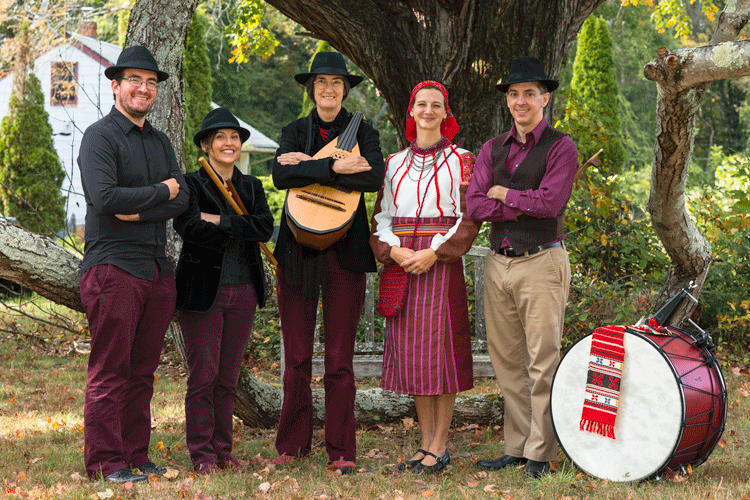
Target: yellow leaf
pixel 171 473
pixel 428 493
pixel 160 445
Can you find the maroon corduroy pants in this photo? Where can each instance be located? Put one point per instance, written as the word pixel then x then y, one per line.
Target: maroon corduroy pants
pixel 128 317
pixel 343 295
pixel 215 344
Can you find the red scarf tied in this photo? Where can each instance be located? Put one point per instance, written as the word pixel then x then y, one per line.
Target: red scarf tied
pixel 449 126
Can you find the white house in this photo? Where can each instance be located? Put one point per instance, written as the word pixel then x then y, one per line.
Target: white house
pixel 72 75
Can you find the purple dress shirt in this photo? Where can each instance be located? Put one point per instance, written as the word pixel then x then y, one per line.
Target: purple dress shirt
pixel 544 202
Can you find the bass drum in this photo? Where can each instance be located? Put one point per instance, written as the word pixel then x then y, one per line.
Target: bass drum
pixel 671 411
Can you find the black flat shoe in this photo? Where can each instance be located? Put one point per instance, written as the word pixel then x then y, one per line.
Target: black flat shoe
pixel 125 475
pixel 440 463
pixel 501 462
pixel 408 464
pixel 151 468
pixel 535 469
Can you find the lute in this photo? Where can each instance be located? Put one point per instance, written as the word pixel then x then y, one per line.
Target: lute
pixel 319 215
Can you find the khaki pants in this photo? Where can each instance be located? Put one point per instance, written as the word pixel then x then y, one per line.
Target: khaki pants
pixel 525 310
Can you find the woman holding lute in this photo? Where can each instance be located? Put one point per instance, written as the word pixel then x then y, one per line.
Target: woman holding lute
pixel 220 281
pixel 336 268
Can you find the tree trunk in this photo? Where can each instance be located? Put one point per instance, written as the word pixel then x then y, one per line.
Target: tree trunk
pixel 682 78
pixel 162 26
pixel 39 264
pixel 465 44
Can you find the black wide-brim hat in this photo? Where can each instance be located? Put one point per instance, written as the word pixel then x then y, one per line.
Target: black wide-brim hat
pixel 217 119
pixel 137 57
pixel 329 63
pixel 527 69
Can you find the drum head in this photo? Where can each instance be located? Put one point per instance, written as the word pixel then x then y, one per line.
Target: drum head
pixel 650 413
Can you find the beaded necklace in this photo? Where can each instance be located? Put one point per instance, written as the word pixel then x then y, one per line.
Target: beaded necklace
pixel 428 157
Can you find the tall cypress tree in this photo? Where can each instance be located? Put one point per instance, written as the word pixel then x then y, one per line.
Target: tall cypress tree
pixel 592 115
pixel 30 171
pixel 198 90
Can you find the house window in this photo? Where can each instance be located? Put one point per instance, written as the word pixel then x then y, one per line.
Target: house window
pixel 64 84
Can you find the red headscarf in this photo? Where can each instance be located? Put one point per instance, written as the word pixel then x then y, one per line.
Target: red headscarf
pixel 449 126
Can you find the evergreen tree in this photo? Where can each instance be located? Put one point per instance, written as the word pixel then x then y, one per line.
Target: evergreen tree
pixel 198 90
pixel 592 115
pixel 30 170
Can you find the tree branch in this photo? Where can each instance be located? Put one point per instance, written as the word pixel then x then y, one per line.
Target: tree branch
pixel 682 78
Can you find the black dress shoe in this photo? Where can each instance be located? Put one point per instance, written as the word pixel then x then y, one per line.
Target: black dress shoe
pixel 408 464
pixel 440 463
pixel 125 475
pixel 151 468
pixel 501 463
pixel 536 469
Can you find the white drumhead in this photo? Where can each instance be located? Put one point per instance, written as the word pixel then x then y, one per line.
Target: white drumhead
pixel 649 415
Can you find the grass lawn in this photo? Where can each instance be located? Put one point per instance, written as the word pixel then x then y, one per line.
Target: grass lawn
pixel 41 456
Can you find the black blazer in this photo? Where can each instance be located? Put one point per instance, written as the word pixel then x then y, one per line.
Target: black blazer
pixel 353 250
pixel 202 256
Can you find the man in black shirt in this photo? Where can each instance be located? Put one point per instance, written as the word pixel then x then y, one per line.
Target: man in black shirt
pixel 133 184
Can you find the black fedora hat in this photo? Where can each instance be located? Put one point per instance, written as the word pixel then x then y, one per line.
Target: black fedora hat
pixel 328 63
pixel 527 69
pixel 217 119
pixel 137 57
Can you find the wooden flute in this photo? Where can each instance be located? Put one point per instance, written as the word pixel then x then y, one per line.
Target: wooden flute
pixel 234 201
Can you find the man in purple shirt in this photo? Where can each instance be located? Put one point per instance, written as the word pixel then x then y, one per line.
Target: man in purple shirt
pixel 521 184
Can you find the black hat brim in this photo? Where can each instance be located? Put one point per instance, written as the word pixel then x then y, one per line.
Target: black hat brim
pixel 244 133
pixel 354 80
pixel 112 70
pixel 550 84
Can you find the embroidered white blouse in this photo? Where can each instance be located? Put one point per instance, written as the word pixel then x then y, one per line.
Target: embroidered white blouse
pixel 419 185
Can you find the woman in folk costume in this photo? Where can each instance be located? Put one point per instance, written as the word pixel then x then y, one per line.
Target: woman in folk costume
pixel 338 271
pixel 220 280
pixel 420 225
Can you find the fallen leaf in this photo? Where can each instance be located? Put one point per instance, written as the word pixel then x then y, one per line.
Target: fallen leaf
pixel 105 494
pixel 171 473
pixel 472 484
pixel 408 422
pixel 264 487
pixel 489 488
pixel 76 477
pixel 428 493
pixel 35 460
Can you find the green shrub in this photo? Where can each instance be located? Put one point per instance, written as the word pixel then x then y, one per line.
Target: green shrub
pixel 722 217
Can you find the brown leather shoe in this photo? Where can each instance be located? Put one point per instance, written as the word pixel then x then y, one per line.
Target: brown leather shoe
pixel 206 468
pixel 233 464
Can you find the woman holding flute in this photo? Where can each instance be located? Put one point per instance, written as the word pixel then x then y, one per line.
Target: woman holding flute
pixel 220 281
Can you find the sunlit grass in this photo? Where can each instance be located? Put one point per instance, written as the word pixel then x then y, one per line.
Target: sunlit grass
pixel 41 450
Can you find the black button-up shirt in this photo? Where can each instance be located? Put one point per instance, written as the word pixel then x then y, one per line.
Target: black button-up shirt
pixel 122 169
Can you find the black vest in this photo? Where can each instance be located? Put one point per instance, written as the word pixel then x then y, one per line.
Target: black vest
pixel 526 232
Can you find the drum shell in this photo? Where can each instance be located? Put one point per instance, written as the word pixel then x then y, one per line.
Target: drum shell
pixel 704 395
